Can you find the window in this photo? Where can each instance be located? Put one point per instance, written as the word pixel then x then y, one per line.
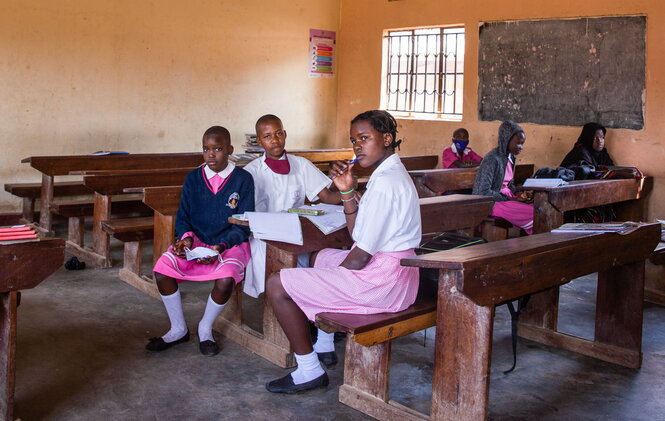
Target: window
pixel 424 73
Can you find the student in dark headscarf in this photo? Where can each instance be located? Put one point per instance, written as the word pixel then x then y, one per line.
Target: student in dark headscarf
pixel 589 152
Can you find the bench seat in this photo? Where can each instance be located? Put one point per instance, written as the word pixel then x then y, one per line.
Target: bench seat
pixel 132 232
pixel 367 354
pixel 30 192
pixel 371 329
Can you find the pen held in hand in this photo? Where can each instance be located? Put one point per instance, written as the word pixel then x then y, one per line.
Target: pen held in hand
pixel 351 162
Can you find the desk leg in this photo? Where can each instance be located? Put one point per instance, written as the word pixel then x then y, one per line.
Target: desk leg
pixel 8 302
pixel 100 239
pixel 273 344
pixel 277 259
pixel 44 202
pixel 619 311
pixel 463 349
pixel 163 234
pixel 542 309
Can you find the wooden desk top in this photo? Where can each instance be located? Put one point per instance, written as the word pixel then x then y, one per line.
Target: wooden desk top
pixel 25 265
pixel 504 270
pixel 65 164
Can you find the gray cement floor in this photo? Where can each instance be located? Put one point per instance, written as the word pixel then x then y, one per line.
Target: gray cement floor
pixel 80 356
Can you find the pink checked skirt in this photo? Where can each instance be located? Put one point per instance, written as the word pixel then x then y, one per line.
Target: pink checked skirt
pixel 381 286
pixel 230 264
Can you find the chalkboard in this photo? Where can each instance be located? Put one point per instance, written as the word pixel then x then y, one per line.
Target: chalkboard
pixel 563 72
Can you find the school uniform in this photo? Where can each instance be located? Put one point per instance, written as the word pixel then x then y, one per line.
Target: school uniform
pixel 208 199
pixel 388 227
pixel 495 179
pixel 451 154
pixel 274 192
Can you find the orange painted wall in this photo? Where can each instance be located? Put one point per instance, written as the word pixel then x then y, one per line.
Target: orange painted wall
pixel 361 32
pixel 150 76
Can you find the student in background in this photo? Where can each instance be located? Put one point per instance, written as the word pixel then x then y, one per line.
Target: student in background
pixel 367 279
pixel 459 155
pixel 495 178
pixel 281 181
pixel 588 153
pixel 210 195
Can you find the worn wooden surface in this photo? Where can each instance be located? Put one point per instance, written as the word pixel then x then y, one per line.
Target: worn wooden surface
pixel 433 182
pixel 25 265
pixel 418 162
pixel 51 166
pixel 473 280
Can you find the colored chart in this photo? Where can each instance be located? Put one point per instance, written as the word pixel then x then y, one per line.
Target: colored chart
pixel 322 53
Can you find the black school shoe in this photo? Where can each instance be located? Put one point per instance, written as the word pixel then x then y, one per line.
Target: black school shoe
pixel 286 385
pixel 329 359
pixel 159 345
pixel 209 348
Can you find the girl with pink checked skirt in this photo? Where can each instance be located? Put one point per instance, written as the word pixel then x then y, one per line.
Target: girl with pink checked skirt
pixel 385 225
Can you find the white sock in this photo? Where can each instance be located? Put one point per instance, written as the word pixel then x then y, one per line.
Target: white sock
pixel 173 306
pixel 324 342
pixel 308 369
pixel 205 325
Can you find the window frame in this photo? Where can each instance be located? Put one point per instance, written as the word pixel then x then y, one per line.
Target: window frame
pixel 442 73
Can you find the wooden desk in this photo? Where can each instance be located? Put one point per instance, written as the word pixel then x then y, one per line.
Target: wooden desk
pixel 438 214
pixel 550 203
pixel 473 280
pixel 52 166
pixel 25 265
pixel 433 182
pixel 104 187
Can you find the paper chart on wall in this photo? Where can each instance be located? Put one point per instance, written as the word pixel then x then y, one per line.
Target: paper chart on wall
pixel 321 53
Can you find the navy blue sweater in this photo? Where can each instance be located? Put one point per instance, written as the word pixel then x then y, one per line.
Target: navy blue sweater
pixel 206 214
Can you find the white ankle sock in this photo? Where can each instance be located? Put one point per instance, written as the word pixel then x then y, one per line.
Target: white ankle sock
pixel 324 342
pixel 173 306
pixel 205 325
pixel 308 369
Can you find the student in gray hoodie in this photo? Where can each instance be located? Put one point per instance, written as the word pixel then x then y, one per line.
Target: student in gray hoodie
pixel 495 178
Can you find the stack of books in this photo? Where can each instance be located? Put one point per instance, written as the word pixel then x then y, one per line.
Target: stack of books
pixel 18 234
pixel 251 145
pixel 242 159
pixel 616 227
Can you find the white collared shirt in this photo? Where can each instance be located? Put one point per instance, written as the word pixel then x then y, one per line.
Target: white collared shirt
pixel 276 192
pixel 389 211
pixel 223 173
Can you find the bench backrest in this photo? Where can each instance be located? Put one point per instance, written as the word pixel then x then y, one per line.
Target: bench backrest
pixel 63 165
pixel 323 155
pixel 493 273
pixel 417 162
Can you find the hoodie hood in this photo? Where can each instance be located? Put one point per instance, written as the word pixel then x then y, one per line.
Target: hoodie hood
pixel 507 130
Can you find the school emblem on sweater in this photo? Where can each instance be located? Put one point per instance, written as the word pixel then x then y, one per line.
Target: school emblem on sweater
pixel 233 200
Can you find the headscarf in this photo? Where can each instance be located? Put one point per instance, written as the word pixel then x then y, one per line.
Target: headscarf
pixel 586 138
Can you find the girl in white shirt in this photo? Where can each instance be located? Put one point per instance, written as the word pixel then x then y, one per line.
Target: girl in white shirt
pixel 385 226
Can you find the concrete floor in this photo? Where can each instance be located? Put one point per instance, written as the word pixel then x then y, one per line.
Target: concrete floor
pixel 80 356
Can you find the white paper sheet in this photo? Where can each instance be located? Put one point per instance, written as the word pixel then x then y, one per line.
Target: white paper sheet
pixel 276 226
pixel 199 253
pixel 332 220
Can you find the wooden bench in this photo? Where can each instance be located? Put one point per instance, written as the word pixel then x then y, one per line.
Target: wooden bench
pixel 30 192
pixel 105 188
pixel 25 265
pixel 132 232
pixel 53 166
pixel 473 280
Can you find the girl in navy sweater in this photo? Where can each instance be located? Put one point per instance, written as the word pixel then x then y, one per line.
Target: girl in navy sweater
pixel 210 195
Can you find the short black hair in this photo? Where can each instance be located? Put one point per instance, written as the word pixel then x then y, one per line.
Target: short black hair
pixel 218 131
pixel 382 122
pixel 266 118
pixel 461 130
